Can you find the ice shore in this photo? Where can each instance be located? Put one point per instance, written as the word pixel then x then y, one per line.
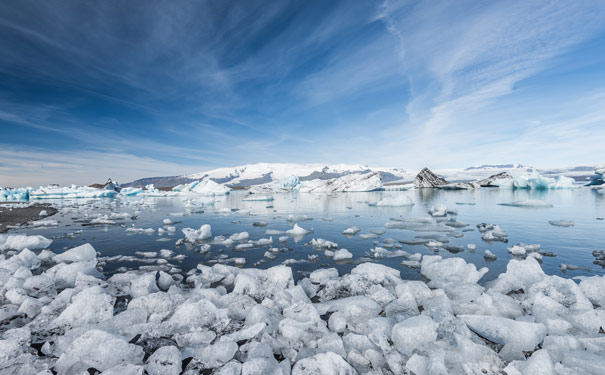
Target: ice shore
pixel 60 313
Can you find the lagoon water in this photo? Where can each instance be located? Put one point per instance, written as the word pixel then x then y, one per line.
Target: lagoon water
pixel 329 214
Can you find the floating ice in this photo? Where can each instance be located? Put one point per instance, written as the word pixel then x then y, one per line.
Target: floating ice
pixel 351 231
pixel 80 253
pixel 254 197
pixel 203 187
pixel 22 241
pixel 297 231
pixel 489 255
pixel 193 235
pixel 534 180
pixel 342 254
pixel 72 192
pixel 561 223
pixel 394 201
pixel 14 195
pixel 528 203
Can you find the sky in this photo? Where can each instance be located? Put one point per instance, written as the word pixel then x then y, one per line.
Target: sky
pixel 131 89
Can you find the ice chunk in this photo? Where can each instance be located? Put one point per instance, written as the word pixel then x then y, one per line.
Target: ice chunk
pixel 440 270
pixel 520 274
pixel 254 197
pixel 561 223
pixel 517 250
pixel 193 235
pixel 516 336
pixel 90 306
pixel 164 361
pixel 351 230
pixel 438 211
pixel 528 203
pixel 320 243
pixel 593 288
pixel 97 349
pixel 395 201
pixel 417 332
pixel 489 255
pixel 216 355
pixel 342 254
pixel 297 231
pixel 21 241
pixel 259 283
pixel 323 363
pixel 80 253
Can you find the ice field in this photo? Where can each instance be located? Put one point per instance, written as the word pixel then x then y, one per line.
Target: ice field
pixel 424 281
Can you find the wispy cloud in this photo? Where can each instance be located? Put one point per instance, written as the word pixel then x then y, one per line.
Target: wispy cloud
pixel 400 83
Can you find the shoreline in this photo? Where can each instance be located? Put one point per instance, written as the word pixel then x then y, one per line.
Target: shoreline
pixel 16 213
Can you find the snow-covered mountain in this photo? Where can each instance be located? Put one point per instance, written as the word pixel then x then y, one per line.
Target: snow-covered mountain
pixel 261 173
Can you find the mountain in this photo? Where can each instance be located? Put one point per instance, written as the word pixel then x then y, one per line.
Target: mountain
pixel 262 173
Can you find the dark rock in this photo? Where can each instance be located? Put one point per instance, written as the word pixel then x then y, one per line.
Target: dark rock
pixel 428 179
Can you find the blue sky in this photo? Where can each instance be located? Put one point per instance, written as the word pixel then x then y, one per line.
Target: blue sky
pixel 92 89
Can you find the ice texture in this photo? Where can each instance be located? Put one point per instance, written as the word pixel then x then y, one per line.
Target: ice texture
pixel 61 314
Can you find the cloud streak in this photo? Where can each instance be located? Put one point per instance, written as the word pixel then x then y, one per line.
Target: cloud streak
pixel 209 84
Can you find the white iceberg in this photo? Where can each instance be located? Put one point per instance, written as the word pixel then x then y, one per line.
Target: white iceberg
pixel 203 187
pixel 193 235
pixel 394 201
pixel 72 192
pixel 534 180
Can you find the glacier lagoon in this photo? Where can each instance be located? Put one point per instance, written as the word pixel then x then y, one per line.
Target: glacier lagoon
pixel 327 216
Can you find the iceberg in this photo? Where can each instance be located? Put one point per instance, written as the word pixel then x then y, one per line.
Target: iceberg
pixel 194 235
pixel 394 201
pixel 72 192
pixel 203 187
pixel 534 180
pixel 14 195
pixel 597 178
pixel 349 183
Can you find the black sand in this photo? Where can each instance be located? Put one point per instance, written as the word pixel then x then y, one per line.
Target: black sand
pixel 17 216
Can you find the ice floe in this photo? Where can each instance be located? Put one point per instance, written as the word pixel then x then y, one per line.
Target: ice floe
pixel 528 203
pixel 394 201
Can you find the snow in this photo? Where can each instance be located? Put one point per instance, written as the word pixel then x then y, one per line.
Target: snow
pixel 284 172
pixel 348 183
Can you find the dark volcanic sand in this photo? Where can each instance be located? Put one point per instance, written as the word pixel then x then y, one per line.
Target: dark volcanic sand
pixel 17 216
